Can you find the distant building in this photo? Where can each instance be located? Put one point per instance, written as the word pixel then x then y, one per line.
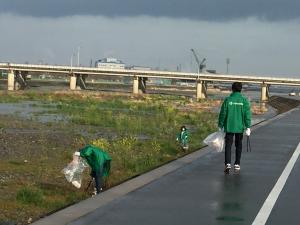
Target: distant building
pixel 109 63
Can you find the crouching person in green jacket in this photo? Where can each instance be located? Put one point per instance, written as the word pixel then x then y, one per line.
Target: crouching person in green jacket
pixel 234 119
pixel 99 161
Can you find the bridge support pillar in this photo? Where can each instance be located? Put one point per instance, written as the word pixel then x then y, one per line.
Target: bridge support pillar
pixel 10 80
pixel 20 80
pixel 80 81
pixel 264 92
pixel 201 90
pixel 142 84
pixel 73 81
pixel 135 85
pixel 263 107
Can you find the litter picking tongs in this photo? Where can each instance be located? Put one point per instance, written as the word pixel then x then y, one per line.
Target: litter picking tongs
pixel 89 184
pixel 248 144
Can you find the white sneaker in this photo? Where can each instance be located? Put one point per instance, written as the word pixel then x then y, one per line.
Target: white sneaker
pixel 228 166
pixel 237 167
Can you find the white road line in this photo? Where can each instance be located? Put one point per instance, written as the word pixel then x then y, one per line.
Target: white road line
pixel 268 205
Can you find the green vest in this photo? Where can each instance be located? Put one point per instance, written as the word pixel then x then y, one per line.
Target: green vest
pixel 235 113
pixel 96 158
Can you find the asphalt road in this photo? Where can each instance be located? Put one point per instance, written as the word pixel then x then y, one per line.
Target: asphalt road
pixel 200 193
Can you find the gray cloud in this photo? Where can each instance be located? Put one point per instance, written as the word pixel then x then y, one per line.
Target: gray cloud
pixel 253 46
pixel 208 10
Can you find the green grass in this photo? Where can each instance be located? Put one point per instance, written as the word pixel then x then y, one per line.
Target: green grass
pixel 156 120
pixel 138 133
pixel 28 195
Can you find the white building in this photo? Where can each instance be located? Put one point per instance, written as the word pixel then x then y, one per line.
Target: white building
pixel 109 63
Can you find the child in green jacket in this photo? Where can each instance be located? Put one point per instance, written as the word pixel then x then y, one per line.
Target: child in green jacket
pixel 183 138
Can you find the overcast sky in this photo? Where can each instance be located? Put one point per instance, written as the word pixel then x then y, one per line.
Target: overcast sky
pixel 259 36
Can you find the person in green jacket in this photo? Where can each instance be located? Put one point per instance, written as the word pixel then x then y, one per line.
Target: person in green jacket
pixel 234 119
pixel 183 138
pixel 99 161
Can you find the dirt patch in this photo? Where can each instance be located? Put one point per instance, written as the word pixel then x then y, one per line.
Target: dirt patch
pixel 26 139
pixel 32 153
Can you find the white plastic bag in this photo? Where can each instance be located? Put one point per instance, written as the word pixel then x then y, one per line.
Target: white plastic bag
pixel 73 171
pixel 216 140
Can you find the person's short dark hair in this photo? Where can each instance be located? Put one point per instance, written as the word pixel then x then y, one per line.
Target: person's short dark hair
pixel 183 128
pixel 237 87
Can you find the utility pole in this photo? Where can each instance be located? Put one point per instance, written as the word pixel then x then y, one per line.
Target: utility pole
pixel 78 53
pixel 227 65
pixel 73 54
pixel 178 69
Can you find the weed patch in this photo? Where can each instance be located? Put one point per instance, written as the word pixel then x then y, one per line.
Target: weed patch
pixel 29 195
pixel 139 133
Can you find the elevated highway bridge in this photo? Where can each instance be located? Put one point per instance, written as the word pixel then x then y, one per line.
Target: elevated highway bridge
pixel 17 77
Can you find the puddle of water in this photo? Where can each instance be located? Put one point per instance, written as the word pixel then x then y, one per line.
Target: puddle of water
pixel 22 108
pixel 46 118
pixel 31 111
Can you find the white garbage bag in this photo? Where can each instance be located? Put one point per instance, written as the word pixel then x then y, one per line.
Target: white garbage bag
pixel 216 140
pixel 73 171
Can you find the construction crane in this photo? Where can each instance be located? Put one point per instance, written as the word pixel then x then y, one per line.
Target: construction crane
pixel 201 65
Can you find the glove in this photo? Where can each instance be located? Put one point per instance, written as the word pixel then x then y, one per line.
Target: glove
pixel 248 132
pixel 77 153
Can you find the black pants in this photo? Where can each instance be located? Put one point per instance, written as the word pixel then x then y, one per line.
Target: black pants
pixel 238 147
pixel 98 180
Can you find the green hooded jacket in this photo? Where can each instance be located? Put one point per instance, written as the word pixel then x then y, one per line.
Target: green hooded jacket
pixel 96 158
pixel 235 114
pixel 183 137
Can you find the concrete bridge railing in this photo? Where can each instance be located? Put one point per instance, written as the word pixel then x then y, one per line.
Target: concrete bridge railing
pixel 77 75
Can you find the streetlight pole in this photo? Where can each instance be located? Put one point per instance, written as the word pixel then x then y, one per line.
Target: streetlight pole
pixel 78 55
pixel 71 60
pixel 227 63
